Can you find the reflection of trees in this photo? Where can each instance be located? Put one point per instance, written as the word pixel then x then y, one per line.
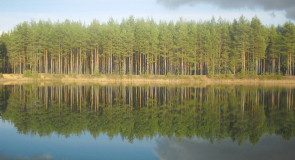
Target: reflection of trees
pixel 214 113
pixel 4 95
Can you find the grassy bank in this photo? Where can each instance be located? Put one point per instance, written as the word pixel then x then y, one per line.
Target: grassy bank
pixel 147 79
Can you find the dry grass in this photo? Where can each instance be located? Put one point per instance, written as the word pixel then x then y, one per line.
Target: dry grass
pixel 9 79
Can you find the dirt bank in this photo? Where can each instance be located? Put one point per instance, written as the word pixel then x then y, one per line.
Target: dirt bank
pixel 9 79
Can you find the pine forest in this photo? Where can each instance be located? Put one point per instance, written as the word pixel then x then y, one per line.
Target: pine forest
pixel 144 46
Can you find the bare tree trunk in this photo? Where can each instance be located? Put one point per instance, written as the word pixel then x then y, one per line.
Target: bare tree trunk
pixel 80 67
pixel 124 65
pixel 24 64
pixel 130 62
pixel 20 66
pixel 95 59
pixel 201 66
pixel 77 62
pixel 279 66
pixel 165 63
pixel 264 65
pixel 148 65
pixel 51 65
pixel 244 56
pixel 139 63
pixel 182 69
pixel 91 59
pixel 98 59
pixel 111 61
pixel 256 66
pixel 290 63
pixel 273 65
pixel 71 61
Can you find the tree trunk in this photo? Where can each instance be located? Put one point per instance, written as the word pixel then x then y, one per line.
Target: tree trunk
pixel 165 63
pixel 59 58
pixel 139 63
pixel 111 61
pixel 77 62
pixel 201 67
pixel 182 69
pixel 256 66
pixel 244 56
pixel 24 64
pixel 91 59
pixel 273 65
pixel 124 65
pixel 51 65
pixel 80 67
pixel 290 64
pixel 98 59
pixel 20 67
pixel 130 62
pixel 71 61
pixel 264 65
pixel 44 61
pixel 148 65
pixel 279 65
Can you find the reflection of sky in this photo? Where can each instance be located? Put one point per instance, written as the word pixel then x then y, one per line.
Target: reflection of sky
pixel 58 147
pixel 16 146
pixel 268 148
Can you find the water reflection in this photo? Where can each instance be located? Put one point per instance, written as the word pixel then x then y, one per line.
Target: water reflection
pixel 17 146
pixel 137 112
pixel 268 148
pixel 37 157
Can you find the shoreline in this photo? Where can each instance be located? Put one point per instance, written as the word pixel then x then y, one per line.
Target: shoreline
pixel 12 79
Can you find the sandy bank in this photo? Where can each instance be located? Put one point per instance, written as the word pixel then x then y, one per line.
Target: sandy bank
pixel 9 79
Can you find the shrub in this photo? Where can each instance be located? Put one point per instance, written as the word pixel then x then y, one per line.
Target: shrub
pixel 122 73
pixel 167 76
pixel 74 75
pixel 35 75
pixel 241 75
pixel 96 73
pixel 272 76
pixel 279 76
pixel 146 75
pixel 184 77
pixel 29 74
pixel 222 76
pixel 197 77
pixel 247 75
pixel 58 76
pixel 210 74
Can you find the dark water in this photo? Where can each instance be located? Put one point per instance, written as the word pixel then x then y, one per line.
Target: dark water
pixel 142 122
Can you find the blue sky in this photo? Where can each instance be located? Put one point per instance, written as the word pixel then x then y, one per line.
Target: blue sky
pixel 13 12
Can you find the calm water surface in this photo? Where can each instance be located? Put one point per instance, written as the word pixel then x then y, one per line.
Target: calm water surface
pixel 142 122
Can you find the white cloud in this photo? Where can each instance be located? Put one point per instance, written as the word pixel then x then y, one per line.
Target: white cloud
pixel 91 9
pixel 268 5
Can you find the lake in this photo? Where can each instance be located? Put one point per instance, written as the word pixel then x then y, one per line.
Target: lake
pixel 57 122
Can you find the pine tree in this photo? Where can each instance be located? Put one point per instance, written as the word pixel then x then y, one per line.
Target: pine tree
pixel 137 46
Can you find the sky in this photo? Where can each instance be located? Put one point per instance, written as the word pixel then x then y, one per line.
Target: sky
pixel 13 12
